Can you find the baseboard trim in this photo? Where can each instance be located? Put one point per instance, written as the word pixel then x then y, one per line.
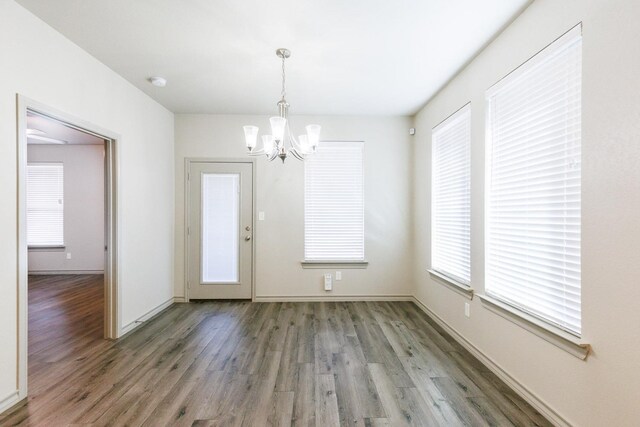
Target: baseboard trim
pixel 324 298
pixel 179 299
pixel 522 391
pixel 148 315
pixel 9 401
pixel 63 272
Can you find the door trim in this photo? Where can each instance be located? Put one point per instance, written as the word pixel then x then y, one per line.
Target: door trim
pixel 188 161
pixel 113 304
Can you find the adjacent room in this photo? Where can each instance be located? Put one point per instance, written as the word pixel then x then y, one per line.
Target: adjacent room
pixel 66 212
pixel 321 214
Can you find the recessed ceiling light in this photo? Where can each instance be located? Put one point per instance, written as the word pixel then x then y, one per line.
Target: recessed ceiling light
pixel 158 81
pixel 35 132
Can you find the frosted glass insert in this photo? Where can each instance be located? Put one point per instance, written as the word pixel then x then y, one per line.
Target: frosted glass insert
pixel 220 233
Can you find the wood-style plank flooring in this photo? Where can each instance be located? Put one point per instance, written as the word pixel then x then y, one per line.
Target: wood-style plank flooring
pixel 253 364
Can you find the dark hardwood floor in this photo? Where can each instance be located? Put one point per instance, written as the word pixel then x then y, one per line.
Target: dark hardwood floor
pixel 252 364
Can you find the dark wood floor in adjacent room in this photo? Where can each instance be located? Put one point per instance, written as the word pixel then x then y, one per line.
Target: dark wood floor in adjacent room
pixel 252 364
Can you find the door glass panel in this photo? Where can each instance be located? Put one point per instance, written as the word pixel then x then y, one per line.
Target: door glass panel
pixel 220 231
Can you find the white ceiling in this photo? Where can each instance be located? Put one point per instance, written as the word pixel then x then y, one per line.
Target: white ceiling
pixel 349 57
pixel 56 130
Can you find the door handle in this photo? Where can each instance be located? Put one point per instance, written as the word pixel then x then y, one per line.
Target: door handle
pixel 247 238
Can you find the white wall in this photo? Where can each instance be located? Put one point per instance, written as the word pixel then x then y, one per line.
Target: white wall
pixel 280 239
pixel 74 82
pixel 83 209
pixel 603 390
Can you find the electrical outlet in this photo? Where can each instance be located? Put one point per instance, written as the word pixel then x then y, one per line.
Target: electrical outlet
pixel 328 282
pixel 467 309
pixel 68 255
pixel 338 275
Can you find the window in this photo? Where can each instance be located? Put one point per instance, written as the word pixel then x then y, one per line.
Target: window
pixel 45 207
pixel 533 205
pixel 451 197
pixel 334 203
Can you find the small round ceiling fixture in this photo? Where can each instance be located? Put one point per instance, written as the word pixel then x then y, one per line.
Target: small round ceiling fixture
pixel 158 81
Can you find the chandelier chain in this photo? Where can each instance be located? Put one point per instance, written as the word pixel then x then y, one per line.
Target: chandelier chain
pixel 283 79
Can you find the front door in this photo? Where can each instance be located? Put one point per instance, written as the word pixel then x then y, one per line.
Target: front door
pixel 220 230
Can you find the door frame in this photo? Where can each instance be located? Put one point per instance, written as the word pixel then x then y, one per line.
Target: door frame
pixel 113 304
pixel 188 161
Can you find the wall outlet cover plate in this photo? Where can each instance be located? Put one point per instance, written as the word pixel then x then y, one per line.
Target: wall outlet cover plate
pixel 328 282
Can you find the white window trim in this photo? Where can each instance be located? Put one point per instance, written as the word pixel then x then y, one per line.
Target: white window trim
pixel 540 327
pixel 46 248
pixel 335 264
pixel 443 279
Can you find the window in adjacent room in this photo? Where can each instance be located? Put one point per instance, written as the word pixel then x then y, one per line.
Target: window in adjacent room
pixel 45 205
pixel 451 197
pixel 533 186
pixel 334 203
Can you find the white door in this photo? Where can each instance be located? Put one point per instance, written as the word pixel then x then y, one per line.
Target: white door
pixel 220 230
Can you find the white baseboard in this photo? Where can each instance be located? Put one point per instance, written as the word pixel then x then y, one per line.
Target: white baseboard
pixel 325 298
pixel 525 393
pixel 9 401
pixel 63 272
pixel 179 299
pixel 148 315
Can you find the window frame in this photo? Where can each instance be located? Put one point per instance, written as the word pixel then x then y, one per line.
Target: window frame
pixel 46 246
pixel 336 262
pixel 438 273
pixel 549 330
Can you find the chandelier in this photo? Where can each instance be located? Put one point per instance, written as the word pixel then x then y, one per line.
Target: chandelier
pixel 281 142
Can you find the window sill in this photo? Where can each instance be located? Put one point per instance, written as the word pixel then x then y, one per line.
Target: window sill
pixel 57 248
pixel 458 287
pixel 334 264
pixel 555 336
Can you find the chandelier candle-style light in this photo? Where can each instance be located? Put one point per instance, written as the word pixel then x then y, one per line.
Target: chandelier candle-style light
pixel 281 141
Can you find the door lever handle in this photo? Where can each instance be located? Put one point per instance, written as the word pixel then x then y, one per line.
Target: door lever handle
pixel 247 238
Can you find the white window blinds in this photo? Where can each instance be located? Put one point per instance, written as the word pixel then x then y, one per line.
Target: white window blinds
pixel 334 203
pixel 45 204
pixel 220 224
pixel 451 197
pixel 533 205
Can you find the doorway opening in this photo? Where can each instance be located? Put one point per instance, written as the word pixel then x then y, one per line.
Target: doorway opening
pixel 67 246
